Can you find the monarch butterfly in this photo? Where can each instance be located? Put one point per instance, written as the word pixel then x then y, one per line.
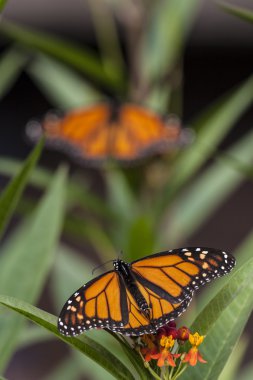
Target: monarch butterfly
pixel 138 298
pixel 102 131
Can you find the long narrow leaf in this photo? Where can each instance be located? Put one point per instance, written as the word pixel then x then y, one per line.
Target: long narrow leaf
pixel 221 178
pixel 87 346
pixel 165 35
pixel 121 198
pixel 238 282
pixel 243 13
pixel 11 64
pixel 39 177
pixel 223 320
pixel 243 253
pixel 69 274
pixel 65 88
pixel 232 367
pixel 212 128
pixel 80 58
pixel 94 233
pixel 11 195
pixel 120 195
pixel 78 192
pixel 26 259
pixel 2 4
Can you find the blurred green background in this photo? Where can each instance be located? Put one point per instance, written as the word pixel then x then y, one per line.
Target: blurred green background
pixel 190 58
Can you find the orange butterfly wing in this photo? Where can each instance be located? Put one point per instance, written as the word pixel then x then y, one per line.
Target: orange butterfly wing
pixel 83 131
pixel 161 312
pixel 105 131
pixel 165 280
pixel 101 303
pixel 175 274
pixel 105 302
pixel 139 131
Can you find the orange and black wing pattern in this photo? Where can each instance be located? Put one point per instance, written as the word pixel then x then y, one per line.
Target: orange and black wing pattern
pixel 105 131
pixel 167 281
pixel 101 303
pixel 175 274
pixel 140 297
pixel 105 302
pixel 139 132
pixel 161 311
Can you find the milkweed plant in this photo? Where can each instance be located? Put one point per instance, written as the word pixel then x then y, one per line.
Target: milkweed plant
pixel 154 205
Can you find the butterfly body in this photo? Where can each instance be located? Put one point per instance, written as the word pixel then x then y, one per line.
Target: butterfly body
pixel 140 297
pixel 124 269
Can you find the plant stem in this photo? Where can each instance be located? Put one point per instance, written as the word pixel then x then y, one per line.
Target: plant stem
pixel 179 371
pixel 146 364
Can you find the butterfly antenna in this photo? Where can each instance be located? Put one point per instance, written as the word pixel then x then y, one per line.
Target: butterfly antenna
pixel 101 265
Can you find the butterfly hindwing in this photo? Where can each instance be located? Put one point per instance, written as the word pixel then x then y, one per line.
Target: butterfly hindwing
pixel 161 312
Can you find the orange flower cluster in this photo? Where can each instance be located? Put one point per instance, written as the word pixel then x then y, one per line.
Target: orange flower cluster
pixel 165 344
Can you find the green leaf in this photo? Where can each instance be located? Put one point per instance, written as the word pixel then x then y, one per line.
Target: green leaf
pixel 242 254
pixel 80 194
pixel 2 4
pixel 11 195
pixel 39 177
pixel 243 13
pixel 82 59
pixel 69 274
pixel 107 36
pixel 140 238
pixel 223 320
pixel 27 257
pixel 94 233
pixel 164 37
pixel 11 64
pixel 78 191
pixel 122 201
pixel 211 127
pixel 221 178
pixel 231 369
pixel 65 88
pixel 237 283
pixel 120 195
pixel 87 346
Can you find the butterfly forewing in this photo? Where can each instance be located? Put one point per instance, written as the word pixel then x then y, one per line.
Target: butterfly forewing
pixel 178 272
pixel 101 303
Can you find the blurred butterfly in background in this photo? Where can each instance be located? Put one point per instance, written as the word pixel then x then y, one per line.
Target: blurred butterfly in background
pixel 138 298
pixel 103 131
